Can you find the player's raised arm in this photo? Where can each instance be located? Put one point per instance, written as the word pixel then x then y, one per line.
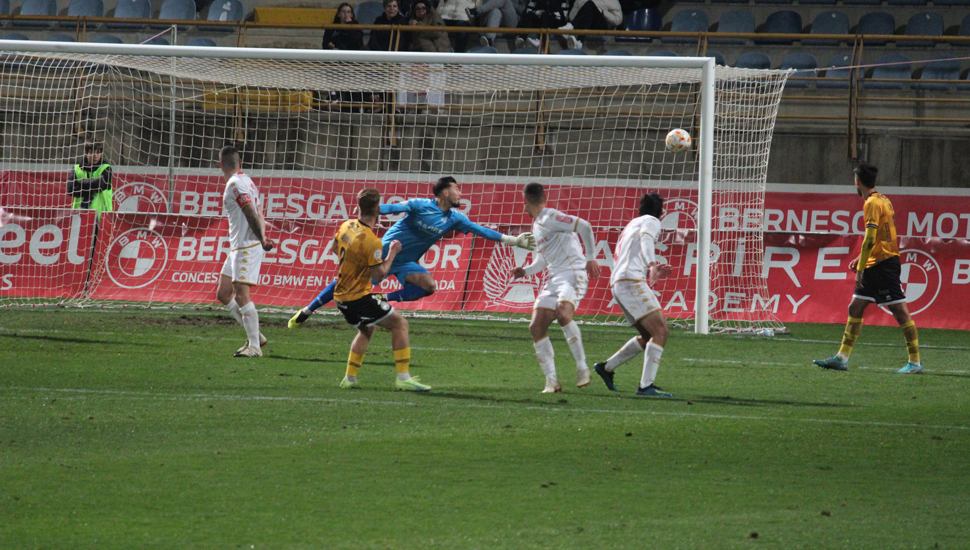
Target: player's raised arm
pixel 396 208
pixel 523 240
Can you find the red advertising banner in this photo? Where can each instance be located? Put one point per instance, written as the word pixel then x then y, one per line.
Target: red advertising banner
pixel 45 253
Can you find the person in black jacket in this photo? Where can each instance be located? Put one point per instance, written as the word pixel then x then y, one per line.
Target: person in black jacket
pixel 344 39
pixel 89 184
pixel 381 40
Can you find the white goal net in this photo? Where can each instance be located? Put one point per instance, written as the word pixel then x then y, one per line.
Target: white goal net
pixel 316 127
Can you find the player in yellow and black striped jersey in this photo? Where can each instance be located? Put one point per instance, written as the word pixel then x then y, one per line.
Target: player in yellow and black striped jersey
pixel 361 266
pixel 877 275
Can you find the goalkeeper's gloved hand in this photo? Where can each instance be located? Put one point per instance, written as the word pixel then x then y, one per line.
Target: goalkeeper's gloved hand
pixel 525 240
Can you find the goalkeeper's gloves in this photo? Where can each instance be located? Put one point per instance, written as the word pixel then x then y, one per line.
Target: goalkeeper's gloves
pixel 525 240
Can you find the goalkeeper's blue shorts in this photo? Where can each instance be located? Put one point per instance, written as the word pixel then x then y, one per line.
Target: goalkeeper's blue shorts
pixel 400 271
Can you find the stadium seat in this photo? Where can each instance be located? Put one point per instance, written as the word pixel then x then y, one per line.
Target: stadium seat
pixel 729 1
pixel 85 8
pixel 224 10
pixel 941 67
pixel 482 49
pixel 4 7
pixel 965 3
pixel 688 21
pixel 828 22
pixel 923 24
pixel 176 10
pixel 907 2
pixel 131 9
pixel 862 2
pixel 876 23
pixel 718 58
pixel 617 52
pixel 572 51
pixel 60 38
pixel 662 53
pixel 108 39
pixel 806 65
pixel 14 36
pixel 529 50
pixel 964 84
pixel 773 2
pixel 368 12
pixel 202 41
pixel 642 20
pixel 837 76
pixel 36 7
pixel 157 41
pixel 781 22
pixel 740 21
pixel 817 2
pixel 892 66
pixel 753 60
pixel 964 27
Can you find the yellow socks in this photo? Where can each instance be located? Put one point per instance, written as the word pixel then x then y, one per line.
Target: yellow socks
pixel 852 329
pixel 353 364
pixel 912 342
pixel 402 360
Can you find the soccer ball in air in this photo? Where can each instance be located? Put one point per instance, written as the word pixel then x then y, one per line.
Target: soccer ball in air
pixel 678 141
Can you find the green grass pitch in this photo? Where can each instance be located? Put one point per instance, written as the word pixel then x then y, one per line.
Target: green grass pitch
pixel 138 429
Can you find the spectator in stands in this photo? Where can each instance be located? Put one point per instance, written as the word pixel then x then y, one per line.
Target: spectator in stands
pixel 381 40
pixel 455 14
pixel 89 184
pixel 498 14
pixel 344 39
pixel 424 14
pixel 543 14
pixel 593 15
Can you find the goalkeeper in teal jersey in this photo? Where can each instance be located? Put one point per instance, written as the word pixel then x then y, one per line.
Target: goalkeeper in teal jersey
pixel 425 222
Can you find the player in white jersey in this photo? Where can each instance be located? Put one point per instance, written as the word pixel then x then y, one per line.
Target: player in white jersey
pixel 559 251
pixel 635 271
pixel 247 242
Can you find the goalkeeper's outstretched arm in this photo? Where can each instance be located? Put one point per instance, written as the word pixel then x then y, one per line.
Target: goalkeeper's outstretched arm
pixel 523 240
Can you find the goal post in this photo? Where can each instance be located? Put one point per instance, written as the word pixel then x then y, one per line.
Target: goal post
pixel 315 127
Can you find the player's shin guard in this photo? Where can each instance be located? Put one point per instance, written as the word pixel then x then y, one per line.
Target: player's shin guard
pixel 323 298
pixel 629 350
pixel 354 362
pixel 575 340
pixel 402 363
pixel 651 362
pixel 250 321
pixel 912 342
pixel 408 293
pixel 546 356
pixel 852 329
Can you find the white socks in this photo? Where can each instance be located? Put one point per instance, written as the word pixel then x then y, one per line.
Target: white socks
pixel 575 341
pixel 547 357
pixel 233 308
pixel 250 322
pixel 651 362
pixel 629 350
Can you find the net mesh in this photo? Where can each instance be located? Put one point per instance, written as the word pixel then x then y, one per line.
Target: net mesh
pixel 313 133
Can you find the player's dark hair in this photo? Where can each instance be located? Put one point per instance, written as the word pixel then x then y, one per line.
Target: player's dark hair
pixel 534 193
pixel 229 157
pixel 651 204
pixel 866 174
pixel 93 147
pixel 369 202
pixel 442 184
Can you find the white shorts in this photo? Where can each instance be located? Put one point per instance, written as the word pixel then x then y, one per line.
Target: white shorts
pixel 565 286
pixel 636 299
pixel 242 265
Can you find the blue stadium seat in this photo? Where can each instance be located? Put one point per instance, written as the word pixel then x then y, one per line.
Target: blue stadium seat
pixel 965 3
pixel 572 51
pixel 662 53
pixel 837 76
pixel 877 22
pixel 817 2
pixel 157 41
pixel 753 60
pixel 176 10
pixel 688 21
pixel 617 52
pixel 368 12
pixel 131 9
pixel 642 20
pixel 482 49
pixel 4 7
pixel 85 8
pixel 36 7
pixel 923 24
pixel 740 21
pixel 781 22
pixel 941 67
pixel 964 27
pixel 828 22
pixel 224 10
pixel 729 1
pixel 108 39
pixel 718 58
pixel 893 66
pixel 806 65
pixel 202 41
pixel 906 2
pixel 14 36
pixel 529 50
pixel 60 38
pixel 862 2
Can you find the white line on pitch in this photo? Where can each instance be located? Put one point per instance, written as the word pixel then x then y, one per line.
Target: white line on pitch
pixel 216 397
pixel 736 362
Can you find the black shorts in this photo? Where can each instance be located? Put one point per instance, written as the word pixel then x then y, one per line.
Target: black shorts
pixel 881 283
pixel 366 311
